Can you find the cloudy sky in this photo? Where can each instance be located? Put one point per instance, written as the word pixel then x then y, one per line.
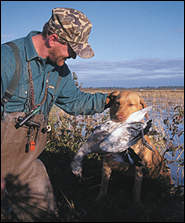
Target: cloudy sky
pixel 136 43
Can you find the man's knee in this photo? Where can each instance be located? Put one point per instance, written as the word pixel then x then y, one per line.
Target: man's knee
pixel 40 187
pixel 30 194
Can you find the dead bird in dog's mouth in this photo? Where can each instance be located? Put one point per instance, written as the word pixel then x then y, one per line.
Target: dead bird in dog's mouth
pixel 114 137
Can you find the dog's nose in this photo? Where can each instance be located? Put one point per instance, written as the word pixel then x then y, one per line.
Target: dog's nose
pixel 121 117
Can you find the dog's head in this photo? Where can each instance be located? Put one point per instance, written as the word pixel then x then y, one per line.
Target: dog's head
pixel 124 103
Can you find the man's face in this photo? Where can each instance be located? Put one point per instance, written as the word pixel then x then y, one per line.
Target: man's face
pixel 59 52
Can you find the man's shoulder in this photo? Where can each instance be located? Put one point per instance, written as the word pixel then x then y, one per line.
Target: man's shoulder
pixel 7 55
pixel 20 42
pixel 5 48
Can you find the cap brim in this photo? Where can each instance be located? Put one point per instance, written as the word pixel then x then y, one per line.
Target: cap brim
pixel 82 50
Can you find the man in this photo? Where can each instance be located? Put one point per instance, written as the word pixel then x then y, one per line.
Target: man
pixel 44 80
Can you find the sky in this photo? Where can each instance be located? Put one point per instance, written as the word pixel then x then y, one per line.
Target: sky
pixel 136 43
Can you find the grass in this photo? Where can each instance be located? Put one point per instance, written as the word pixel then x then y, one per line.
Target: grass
pixel 75 197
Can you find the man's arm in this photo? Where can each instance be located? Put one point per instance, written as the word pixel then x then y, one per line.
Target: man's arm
pixel 75 102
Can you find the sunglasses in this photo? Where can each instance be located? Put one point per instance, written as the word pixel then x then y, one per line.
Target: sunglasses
pixel 71 52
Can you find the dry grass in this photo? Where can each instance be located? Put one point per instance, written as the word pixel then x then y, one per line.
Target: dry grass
pixel 76 198
pixel 159 203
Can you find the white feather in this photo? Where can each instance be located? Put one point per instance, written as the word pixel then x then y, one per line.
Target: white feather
pixel 139 115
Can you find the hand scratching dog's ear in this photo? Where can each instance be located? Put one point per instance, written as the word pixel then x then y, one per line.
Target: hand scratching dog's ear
pixel 110 98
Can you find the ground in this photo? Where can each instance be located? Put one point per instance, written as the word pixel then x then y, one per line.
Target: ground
pixel 76 197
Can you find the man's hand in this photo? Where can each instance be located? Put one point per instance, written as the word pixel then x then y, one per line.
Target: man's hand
pixel 110 98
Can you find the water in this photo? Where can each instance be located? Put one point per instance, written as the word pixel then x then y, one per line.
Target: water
pixel 162 110
pixel 158 114
pixel 177 173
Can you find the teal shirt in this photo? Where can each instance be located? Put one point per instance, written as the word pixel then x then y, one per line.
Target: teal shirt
pixel 66 96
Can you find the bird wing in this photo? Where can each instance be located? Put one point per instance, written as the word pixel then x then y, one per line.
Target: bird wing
pixel 122 137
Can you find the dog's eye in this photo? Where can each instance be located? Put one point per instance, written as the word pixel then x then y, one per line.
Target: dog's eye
pixel 131 104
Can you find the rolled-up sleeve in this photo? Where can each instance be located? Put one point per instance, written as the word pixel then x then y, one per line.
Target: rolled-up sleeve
pixel 75 102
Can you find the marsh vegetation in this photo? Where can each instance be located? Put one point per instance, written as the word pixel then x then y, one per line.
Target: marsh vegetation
pixel 76 198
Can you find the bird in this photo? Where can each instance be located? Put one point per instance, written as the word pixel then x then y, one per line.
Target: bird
pixel 125 134
pixel 114 137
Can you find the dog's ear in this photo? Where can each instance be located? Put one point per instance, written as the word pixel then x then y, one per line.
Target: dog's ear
pixel 143 104
pixel 114 93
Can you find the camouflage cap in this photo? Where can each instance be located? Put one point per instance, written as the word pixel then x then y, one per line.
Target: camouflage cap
pixel 73 27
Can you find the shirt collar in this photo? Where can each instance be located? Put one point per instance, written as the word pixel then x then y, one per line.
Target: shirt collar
pixel 29 47
pixel 31 52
